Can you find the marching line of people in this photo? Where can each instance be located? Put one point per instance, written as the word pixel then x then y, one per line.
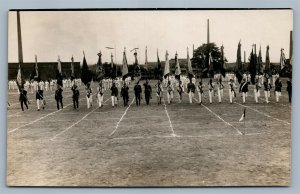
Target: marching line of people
pixel 213 89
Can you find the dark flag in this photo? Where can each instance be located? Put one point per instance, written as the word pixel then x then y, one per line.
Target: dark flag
pixel 259 62
pixel 268 66
pixel 72 69
pixel 239 57
pixel 99 67
pixel 35 72
pixel 113 68
pixel 125 66
pixel 86 75
pixel 59 76
pixel 177 67
pixel 159 70
pixel 20 79
pixel 252 66
pixel 210 65
pixel 238 72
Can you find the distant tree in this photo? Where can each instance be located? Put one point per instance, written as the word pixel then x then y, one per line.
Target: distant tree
pixel 201 59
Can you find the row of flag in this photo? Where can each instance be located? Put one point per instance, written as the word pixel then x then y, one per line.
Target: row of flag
pixel 256 63
pixel 255 66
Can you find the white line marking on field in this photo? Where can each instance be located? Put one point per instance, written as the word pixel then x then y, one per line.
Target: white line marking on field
pixel 121 118
pixel 171 126
pixel 190 136
pixel 60 133
pixel 32 122
pixel 263 113
pixel 237 130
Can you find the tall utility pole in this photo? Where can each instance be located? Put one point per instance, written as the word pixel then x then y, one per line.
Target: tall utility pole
pixel 20 50
pixel 207 31
pixel 291 46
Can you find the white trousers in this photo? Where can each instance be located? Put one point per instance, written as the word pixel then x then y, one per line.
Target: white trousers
pixel 244 96
pixel 255 95
pixel 231 95
pixel 114 100
pixel 277 94
pixel 89 101
pixel 267 94
pixel 38 103
pixel 210 93
pixel 170 96
pixel 200 97
pixel 100 99
pixel 191 96
pixel 220 94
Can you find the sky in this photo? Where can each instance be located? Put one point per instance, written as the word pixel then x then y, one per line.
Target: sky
pixel 49 34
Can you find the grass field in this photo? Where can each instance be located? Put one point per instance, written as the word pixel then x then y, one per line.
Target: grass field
pixel 180 144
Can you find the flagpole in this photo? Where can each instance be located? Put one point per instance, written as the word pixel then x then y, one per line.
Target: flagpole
pixel 116 61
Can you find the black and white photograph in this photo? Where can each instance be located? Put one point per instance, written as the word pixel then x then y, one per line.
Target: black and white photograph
pixel 149 97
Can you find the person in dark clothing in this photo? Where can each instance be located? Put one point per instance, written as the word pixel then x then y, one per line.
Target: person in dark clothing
pixel 289 89
pixel 148 91
pixel 124 94
pixel 75 96
pixel 114 95
pixel 137 93
pixel 23 98
pixel 244 89
pixel 59 97
pixel 278 86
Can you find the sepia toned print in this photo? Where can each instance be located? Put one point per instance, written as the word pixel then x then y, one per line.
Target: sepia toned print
pixel 149 98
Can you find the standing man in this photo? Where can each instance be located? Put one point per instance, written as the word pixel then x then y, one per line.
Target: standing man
pixel 39 96
pixel 256 90
pixel 23 98
pixel 59 97
pixel 89 96
pixel 100 94
pixel 211 89
pixel 220 90
pixel 159 92
pixel 170 90
pixel 125 94
pixel 200 92
pixel 267 88
pixel 232 93
pixel 244 89
pixel 75 96
pixel 137 92
pixel 46 85
pixel 180 90
pixel 289 89
pixel 114 95
pixel 148 91
pixel 278 86
pixel 191 90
